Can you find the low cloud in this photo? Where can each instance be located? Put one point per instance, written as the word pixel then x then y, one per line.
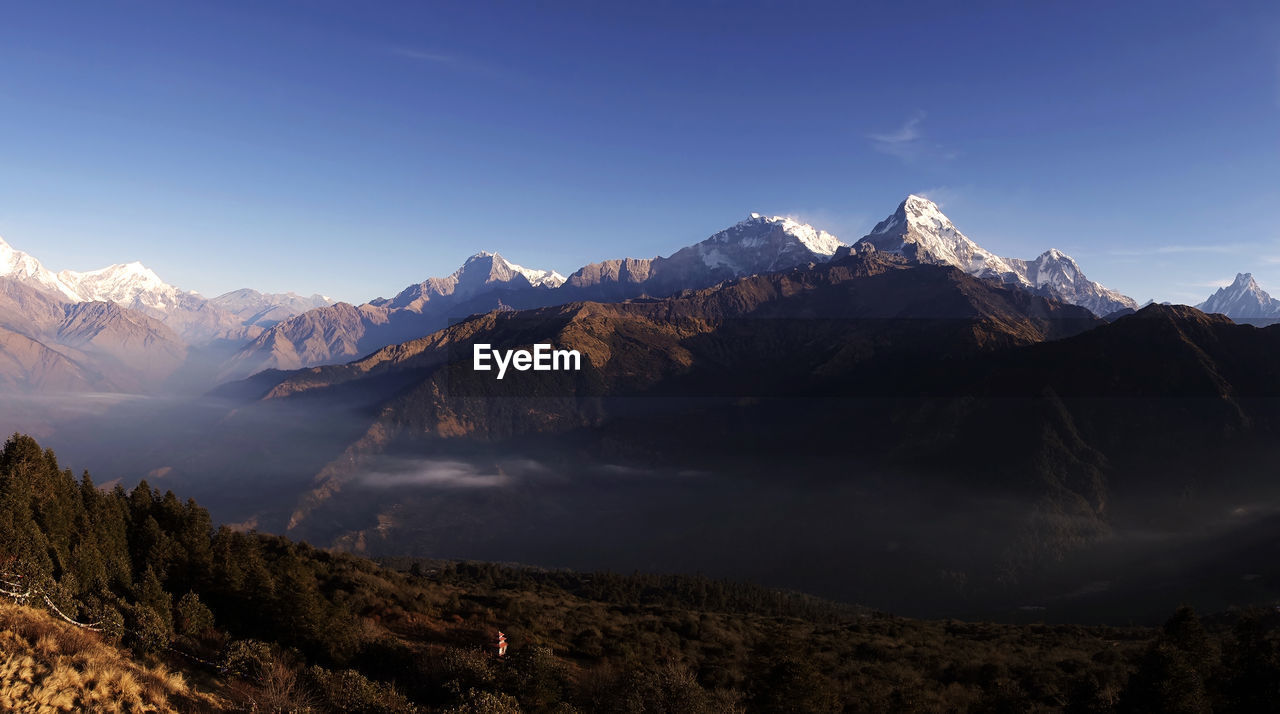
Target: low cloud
pixel 452 474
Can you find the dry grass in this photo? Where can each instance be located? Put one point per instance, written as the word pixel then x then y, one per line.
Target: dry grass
pixel 50 666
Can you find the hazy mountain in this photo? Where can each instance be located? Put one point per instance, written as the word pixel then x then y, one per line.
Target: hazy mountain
pixel 26 365
pixel 259 309
pixel 113 348
pixel 921 232
pixel 132 286
pixel 1242 299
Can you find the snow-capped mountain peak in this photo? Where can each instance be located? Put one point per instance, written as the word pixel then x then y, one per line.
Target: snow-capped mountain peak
pixel 816 241
pixel 760 244
pixel 481 272
pixel 1242 298
pixel 27 269
pixel 1053 267
pixel 923 212
pixel 129 284
pixel 920 231
pixel 549 278
pixel 501 269
pixel 1057 275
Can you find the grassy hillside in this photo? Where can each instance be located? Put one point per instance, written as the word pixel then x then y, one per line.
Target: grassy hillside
pixel 267 624
pixel 51 666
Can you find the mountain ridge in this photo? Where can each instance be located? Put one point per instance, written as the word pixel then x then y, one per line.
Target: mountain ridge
pixel 487 281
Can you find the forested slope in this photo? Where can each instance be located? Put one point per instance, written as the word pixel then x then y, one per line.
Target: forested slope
pixel 258 621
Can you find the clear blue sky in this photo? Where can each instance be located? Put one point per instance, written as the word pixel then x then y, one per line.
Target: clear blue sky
pixel 353 148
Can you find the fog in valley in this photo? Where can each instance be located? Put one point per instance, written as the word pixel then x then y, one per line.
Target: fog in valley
pixel 883 540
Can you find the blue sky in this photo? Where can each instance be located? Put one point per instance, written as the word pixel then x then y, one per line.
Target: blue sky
pixel 354 148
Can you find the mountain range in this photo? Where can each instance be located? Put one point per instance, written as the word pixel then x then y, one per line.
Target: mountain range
pixel 235 335
pixel 738 389
pixel 760 244
pixel 119 328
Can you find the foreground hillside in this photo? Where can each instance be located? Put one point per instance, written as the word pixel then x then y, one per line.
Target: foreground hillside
pixel 262 623
pixel 50 665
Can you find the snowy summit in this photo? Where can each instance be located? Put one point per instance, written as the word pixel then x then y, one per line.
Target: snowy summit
pixel 921 232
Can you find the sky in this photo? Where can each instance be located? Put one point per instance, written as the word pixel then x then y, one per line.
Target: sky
pixel 354 148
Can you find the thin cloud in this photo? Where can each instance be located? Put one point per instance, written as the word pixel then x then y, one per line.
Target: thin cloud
pixel 1225 248
pixel 903 142
pixel 425 56
pixel 908 133
pixel 908 142
pixel 1215 284
pixel 449 60
pixel 944 196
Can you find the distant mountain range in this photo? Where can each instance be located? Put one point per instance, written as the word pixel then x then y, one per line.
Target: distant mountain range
pixel 760 244
pixel 120 328
pixel 243 332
